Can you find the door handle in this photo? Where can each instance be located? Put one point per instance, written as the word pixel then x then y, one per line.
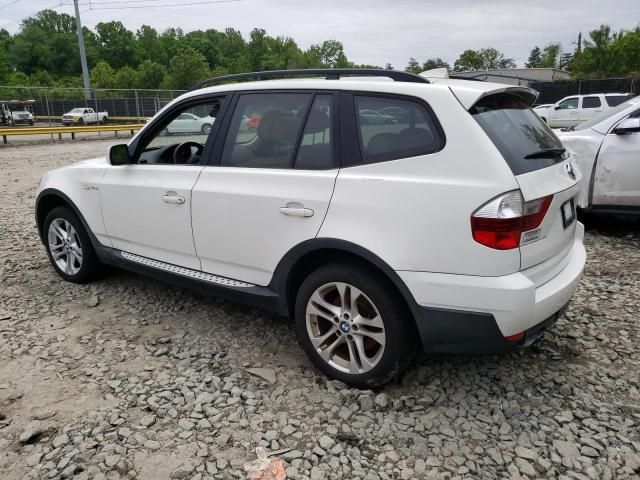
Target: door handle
pixel 295 209
pixel 173 198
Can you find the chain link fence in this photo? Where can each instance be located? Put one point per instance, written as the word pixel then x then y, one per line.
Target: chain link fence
pixel 48 104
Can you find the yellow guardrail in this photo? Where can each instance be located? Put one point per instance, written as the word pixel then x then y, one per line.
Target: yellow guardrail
pixel 6 132
pixel 58 118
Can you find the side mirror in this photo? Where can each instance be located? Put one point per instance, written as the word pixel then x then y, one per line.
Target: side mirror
pixel 627 126
pixel 119 154
pixel 557 107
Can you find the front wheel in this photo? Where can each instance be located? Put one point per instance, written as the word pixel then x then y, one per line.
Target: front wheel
pixel 68 246
pixel 353 326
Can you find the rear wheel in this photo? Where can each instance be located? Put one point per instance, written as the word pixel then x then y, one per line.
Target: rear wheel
pixel 353 326
pixel 206 128
pixel 68 246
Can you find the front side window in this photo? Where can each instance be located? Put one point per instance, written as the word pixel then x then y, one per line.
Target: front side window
pixel 591 102
pixel 393 128
pixel 181 138
pixel 264 130
pixel 568 104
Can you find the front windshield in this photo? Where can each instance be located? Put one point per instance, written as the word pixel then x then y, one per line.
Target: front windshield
pixel 77 110
pixel 607 114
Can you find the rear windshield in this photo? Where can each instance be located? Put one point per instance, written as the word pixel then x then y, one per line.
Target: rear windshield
pixel 517 132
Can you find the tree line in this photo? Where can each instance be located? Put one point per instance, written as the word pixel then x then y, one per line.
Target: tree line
pixel 44 52
pixel 604 54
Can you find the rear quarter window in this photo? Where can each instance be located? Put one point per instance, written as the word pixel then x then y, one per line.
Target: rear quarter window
pixel 393 128
pixel 615 100
pixel 517 132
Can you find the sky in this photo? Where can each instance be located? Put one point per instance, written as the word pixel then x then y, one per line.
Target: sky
pixel 372 31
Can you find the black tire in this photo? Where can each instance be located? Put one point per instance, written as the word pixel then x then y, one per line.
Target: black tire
pixel 399 328
pixel 90 266
pixel 205 129
pixel 81 121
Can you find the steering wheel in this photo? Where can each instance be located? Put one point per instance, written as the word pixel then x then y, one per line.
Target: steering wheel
pixel 183 152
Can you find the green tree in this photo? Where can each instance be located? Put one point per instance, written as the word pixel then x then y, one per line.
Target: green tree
pixel 607 54
pixel 534 58
pixel 550 56
pixel 329 54
pixel 102 76
pixel 149 46
pixel 483 59
pixel 432 63
pixel 150 75
pixel 116 44
pixel 126 78
pixel 413 66
pixel 187 67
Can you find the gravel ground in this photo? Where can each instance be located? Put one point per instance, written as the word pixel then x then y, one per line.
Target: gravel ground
pixel 128 378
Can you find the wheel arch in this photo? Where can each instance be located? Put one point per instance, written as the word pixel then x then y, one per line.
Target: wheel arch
pixel 307 256
pixel 51 198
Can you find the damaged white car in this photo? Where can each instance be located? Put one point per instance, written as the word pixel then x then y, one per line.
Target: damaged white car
pixel 607 151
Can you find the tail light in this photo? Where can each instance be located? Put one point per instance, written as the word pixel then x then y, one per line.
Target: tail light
pixel 508 221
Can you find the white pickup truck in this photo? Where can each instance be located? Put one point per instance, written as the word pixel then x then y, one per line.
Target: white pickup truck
pixel 573 110
pixel 84 116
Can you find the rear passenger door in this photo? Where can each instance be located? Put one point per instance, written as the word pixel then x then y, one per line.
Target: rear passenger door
pixel 591 106
pixel 270 187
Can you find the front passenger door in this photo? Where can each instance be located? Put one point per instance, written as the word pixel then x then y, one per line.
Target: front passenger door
pixel 565 114
pixel 271 187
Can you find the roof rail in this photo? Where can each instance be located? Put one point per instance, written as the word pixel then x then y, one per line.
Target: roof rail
pixel 328 73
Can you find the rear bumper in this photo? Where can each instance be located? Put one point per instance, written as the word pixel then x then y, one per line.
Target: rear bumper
pixel 459 313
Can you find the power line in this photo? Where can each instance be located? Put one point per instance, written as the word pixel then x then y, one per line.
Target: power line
pixel 159 6
pixel 9 4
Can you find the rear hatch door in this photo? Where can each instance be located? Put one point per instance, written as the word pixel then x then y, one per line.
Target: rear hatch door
pixel 542 168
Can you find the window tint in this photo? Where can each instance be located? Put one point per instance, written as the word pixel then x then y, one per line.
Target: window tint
pixel 517 132
pixel 264 130
pixel 314 152
pixel 591 102
pixel 393 128
pixel 615 100
pixel 569 104
pixel 187 124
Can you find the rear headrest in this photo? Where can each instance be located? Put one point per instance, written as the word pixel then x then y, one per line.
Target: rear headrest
pixel 382 143
pixel 278 125
pixel 317 122
pixel 415 137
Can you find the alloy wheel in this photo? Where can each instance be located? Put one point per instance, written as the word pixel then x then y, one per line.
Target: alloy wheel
pixel 345 328
pixel 64 246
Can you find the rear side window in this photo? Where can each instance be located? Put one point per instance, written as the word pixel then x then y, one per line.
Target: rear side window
pixel 264 130
pixel 591 102
pixel 393 128
pixel 517 132
pixel 615 100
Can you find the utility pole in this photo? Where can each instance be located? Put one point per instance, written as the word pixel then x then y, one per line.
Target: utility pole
pixel 83 55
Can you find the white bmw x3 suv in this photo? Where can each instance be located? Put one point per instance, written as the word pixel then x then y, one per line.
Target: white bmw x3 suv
pixel 450 226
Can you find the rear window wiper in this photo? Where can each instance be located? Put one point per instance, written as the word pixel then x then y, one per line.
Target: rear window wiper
pixel 546 153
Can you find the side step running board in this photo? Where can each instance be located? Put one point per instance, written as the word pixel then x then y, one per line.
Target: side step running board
pixel 185 272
